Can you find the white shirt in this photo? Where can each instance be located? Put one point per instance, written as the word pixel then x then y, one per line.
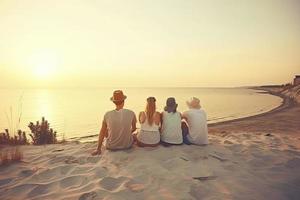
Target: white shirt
pixel 171 128
pixel 149 134
pixel 197 123
pixel 147 127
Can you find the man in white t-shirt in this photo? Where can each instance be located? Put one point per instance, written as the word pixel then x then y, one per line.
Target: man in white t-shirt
pixel 195 132
pixel 117 126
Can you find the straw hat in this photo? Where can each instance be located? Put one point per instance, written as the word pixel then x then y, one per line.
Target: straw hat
pixel 118 96
pixel 193 102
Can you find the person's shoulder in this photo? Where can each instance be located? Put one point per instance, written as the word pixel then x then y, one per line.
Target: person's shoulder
pixel 157 113
pixel 128 111
pixel 202 110
pixel 142 113
pixel 108 113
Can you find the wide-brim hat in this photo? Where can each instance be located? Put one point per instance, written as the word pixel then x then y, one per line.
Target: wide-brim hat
pixel 193 102
pixel 118 96
pixel 171 104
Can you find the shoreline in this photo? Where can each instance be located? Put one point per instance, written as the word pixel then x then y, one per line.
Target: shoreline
pixel 281 121
pixel 286 104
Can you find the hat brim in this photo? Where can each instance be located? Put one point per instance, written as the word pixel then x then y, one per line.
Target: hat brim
pixel 191 104
pixel 114 100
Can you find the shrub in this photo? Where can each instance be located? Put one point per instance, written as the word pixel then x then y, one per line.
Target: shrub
pixel 42 133
pixel 21 139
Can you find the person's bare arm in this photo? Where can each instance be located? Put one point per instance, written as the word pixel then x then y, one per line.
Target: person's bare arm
pixel 133 125
pixel 103 133
pixel 161 122
pixel 183 116
pixel 142 117
pixel 157 119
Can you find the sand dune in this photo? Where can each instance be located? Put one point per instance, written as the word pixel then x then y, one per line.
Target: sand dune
pixel 237 166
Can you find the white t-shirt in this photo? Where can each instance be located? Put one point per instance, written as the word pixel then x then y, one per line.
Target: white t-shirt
pixel 197 123
pixel 171 128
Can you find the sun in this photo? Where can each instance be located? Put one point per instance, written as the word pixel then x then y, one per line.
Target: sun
pixel 44 65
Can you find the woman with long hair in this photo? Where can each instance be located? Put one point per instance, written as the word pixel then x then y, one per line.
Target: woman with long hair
pixel 150 121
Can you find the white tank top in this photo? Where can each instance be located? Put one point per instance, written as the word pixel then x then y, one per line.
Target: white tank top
pixel 147 127
pixel 171 128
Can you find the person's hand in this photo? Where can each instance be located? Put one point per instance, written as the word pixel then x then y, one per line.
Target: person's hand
pixel 96 152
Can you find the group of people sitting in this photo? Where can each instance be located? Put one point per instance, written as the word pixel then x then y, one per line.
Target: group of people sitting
pixel 167 128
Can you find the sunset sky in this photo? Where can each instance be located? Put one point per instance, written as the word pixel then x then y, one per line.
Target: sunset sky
pixel 138 43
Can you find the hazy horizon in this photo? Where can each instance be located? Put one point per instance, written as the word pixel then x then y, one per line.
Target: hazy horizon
pixel 131 87
pixel 143 43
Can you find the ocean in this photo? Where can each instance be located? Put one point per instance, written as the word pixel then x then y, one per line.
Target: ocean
pixel 77 113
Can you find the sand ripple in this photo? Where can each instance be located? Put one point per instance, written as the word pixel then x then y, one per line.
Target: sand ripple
pixel 236 166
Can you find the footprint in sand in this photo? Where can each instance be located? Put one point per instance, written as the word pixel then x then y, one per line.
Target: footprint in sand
pixel 26 172
pixel 93 159
pixel 73 181
pixel 111 184
pixel 88 196
pixel 39 190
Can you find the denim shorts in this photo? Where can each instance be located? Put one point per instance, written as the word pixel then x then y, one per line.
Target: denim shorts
pixel 185 132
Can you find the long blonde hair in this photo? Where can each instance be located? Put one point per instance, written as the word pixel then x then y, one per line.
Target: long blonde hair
pixel 150 109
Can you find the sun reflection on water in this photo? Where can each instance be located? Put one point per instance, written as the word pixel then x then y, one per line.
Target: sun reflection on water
pixel 44 106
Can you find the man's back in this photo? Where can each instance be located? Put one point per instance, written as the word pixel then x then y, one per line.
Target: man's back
pixel 196 119
pixel 119 126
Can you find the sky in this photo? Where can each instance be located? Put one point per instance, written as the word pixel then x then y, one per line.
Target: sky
pixel 148 43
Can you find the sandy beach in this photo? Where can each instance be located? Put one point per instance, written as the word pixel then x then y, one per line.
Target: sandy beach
pixel 252 158
pixel 77 77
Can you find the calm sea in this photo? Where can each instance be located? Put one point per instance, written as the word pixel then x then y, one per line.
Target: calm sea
pixel 77 113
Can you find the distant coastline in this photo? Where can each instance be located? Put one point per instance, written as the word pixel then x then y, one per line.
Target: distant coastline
pixel 289 101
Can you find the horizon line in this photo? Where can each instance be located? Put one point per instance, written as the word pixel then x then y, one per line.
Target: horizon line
pixel 143 87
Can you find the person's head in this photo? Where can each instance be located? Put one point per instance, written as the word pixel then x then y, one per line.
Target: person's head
pixel 171 105
pixel 118 98
pixel 150 109
pixel 193 103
